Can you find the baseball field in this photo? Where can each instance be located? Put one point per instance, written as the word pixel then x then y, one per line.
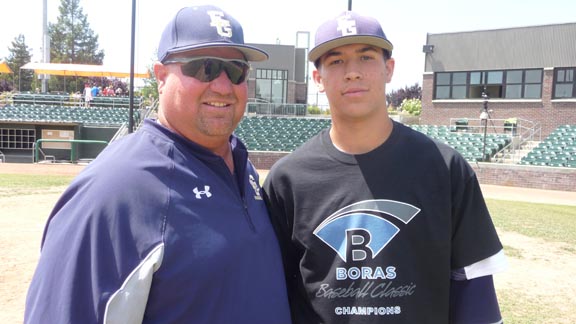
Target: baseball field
pixel 539 240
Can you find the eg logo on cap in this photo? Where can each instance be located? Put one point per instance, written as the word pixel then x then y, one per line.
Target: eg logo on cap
pixel 222 25
pixel 347 26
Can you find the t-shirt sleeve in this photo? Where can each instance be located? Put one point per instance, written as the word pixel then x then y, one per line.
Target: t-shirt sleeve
pixel 474 236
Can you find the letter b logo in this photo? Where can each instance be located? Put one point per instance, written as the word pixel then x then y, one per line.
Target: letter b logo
pixel 358 240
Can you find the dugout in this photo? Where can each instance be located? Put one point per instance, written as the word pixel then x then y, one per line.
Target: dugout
pixel 18 141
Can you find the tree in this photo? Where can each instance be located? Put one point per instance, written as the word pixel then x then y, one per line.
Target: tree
pixel 412 106
pixel 72 41
pixel 150 89
pixel 19 56
pixel 396 97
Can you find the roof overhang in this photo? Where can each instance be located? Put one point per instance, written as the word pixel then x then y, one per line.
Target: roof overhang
pixel 84 70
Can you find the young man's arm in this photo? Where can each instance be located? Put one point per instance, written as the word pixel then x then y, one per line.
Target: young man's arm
pixel 474 301
pixel 472 293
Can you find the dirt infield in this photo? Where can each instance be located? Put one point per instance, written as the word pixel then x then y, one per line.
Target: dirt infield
pixel 540 273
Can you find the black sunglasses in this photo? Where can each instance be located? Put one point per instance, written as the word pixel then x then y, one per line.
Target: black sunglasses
pixel 208 68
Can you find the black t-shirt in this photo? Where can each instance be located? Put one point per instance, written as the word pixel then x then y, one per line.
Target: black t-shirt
pixel 372 238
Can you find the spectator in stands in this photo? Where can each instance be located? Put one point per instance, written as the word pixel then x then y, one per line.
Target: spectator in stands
pixel 168 224
pixel 373 217
pixel 119 91
pixel 95 91
pixel 87 95
pixel 110 91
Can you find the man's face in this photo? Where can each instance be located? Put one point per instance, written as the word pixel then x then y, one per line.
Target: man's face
pixel 354 79
pixel 204 112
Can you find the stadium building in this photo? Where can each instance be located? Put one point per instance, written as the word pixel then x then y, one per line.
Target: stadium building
pixel 505 99
pixel 526 74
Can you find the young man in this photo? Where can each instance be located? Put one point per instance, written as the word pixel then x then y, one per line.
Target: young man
pixel 168 224
pixel 379 223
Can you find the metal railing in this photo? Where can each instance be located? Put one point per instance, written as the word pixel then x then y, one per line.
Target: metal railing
pixel 46 157
pixel 520 131
pixel 142 113
pixel 276 109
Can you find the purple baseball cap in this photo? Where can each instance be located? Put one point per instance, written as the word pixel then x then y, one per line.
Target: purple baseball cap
pixel 348 28
pixel 207 26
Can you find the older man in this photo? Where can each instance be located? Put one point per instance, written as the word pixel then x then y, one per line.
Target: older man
pixel 168 224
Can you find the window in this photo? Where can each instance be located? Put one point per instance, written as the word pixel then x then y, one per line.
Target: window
pixel 564 83
pixel 451 85
pixel 486 82
pixel 271 85
pixel 523 84
pixel 509 84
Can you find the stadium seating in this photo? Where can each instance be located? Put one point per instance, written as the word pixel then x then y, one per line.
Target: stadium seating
pixel 282 134
pixel 556 150
pixel 470 145
pixel 63 114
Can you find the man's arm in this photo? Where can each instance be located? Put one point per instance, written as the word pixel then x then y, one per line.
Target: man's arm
pixel 474 301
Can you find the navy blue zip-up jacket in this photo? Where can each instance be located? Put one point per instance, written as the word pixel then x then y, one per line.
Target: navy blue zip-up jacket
pixel 157 230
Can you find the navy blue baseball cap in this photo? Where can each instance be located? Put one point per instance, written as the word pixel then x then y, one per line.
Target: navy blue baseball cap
pixel 206 26
pixel 348 28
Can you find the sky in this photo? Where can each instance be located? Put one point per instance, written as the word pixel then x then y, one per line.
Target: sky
pixel 406 23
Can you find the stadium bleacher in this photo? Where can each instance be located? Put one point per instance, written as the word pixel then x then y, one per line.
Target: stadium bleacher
pixel 64 108
pixel 470 145
pixel 63 114
pixel 556 150
pixel 283 134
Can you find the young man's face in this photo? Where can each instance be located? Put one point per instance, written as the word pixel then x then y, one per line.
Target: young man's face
pixel 354 79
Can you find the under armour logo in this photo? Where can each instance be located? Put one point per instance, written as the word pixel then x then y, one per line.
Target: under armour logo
pixel 199 193
pixel 222 25
pixel 347 26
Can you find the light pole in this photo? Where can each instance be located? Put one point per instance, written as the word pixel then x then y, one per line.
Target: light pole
pixel 131 94
pixel 484 118
pixel 349 5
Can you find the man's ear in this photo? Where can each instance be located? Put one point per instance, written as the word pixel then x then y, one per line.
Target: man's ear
pixel 318 80
pixel 390 63
pixel 160 72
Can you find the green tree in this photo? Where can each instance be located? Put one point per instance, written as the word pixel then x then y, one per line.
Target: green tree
pixel 396 97
pixel 412 106
pixel 19 56
pixel 150 89
pixel 72 41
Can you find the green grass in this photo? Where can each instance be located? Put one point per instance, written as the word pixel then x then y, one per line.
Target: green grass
pixel 23 184
pixel 550 222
